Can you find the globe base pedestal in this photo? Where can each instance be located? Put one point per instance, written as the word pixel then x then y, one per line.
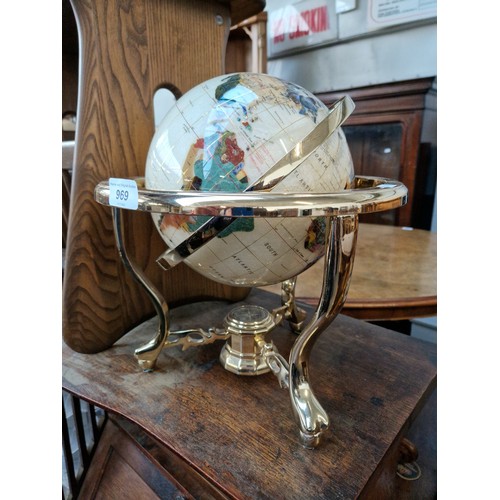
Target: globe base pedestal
pixel 247 326
pixel 241 363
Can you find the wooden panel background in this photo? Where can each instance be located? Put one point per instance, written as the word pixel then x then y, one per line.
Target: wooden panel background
pixel 129 50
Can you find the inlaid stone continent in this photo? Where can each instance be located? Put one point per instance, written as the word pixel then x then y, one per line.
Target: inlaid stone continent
pixel 224 135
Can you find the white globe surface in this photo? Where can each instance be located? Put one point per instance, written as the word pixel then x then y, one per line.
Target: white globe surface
pixel 223 135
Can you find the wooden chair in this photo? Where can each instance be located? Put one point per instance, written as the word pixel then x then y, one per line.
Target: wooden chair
pixel 67 166
pixel 127 52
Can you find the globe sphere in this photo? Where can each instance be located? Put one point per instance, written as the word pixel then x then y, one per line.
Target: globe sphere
pixel 223 135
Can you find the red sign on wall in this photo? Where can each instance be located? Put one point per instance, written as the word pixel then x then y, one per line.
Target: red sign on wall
pixel 301 25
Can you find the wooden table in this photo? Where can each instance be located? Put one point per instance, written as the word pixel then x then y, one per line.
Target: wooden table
pixel 203 429
pixel 394 276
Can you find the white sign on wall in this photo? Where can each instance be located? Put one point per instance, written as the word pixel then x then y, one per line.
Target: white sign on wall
pixel 301 24
pixel 382 13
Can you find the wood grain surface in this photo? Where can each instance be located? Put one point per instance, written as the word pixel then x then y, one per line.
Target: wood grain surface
pixel 121 470
pixel 394 275
pixel 239 433
pixel 128 50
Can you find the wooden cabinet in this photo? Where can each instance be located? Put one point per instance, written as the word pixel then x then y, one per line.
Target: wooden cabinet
pixel 130 464
pixel 219 435
pixel 122 470
pixel 392 133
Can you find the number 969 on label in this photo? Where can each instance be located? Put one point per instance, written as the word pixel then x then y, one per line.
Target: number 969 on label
pixel 123 193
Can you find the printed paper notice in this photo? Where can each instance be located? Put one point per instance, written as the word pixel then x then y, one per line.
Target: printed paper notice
pixel 382 13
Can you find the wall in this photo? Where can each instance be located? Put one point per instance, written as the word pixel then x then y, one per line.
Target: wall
pixel 358 53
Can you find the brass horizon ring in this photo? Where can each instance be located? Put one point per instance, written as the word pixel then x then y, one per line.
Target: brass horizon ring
pixel 369 194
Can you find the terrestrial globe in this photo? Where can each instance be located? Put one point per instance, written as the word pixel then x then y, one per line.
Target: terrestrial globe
pixel 223 135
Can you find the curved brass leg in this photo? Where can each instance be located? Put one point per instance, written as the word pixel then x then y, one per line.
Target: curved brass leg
pixel 148 353
pixel 309 414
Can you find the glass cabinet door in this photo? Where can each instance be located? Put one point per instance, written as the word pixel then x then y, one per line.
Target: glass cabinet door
pixel 376 150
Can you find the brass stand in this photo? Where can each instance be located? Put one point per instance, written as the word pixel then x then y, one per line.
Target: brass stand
pixel 247 352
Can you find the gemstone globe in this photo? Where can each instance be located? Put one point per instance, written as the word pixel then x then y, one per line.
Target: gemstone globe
pixel 223 135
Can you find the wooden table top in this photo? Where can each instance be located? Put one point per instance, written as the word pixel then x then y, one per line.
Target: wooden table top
pixel 394 275
pixel 239 433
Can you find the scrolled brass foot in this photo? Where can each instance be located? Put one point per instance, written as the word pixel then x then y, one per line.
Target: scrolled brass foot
pixel 147 355
pixel 310 416
pixel 310 441
pixel 146 365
